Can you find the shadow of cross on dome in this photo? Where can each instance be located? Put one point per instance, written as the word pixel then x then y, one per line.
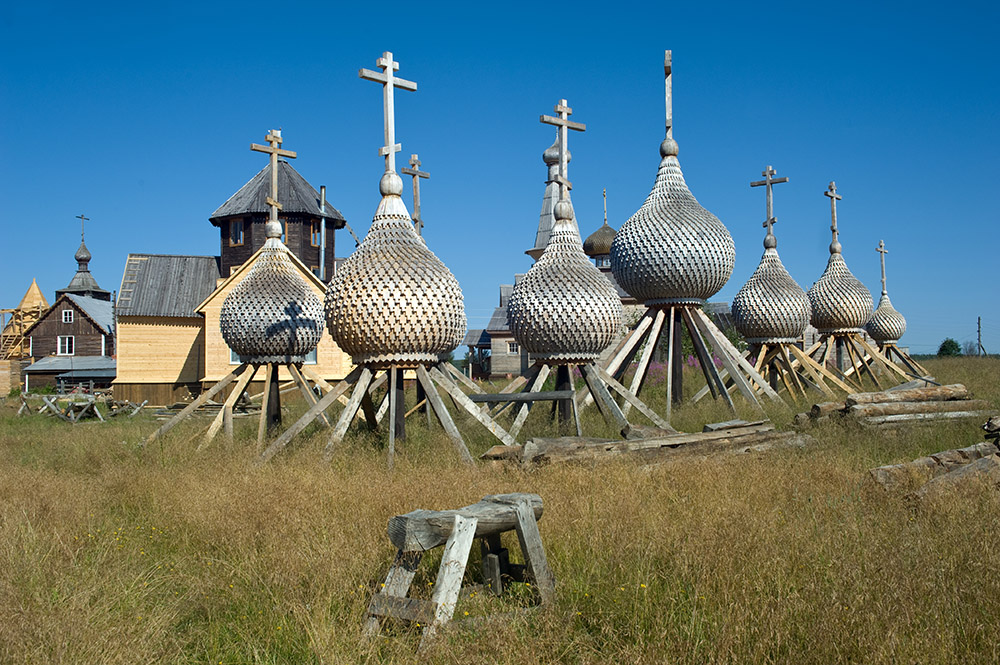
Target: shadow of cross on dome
pixel 292 324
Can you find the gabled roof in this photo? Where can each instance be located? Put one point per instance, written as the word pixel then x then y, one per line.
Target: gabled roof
pixel 33 298
pixel 476 337
pixel 165 285
pixel 51 364
pixel 101 312
pixel 295 194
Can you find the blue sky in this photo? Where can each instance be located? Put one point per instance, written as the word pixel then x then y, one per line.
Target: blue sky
pixel 140 116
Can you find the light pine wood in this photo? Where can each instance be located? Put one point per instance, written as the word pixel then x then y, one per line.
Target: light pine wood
pixel 397 584
pixel 204 397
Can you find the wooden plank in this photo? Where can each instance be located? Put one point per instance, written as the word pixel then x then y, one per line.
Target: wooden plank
pixel 545 396
pixel 810 368
pixel 708 365
pixel 449 579
pixel 517 384
pixel 904 418
pixel 626 350
pixel 463 379
pixel 898 408
pixel 878 356
pixel 541 375
pixel 718 337
pixel 463 401
pixel 397 583
pixel 306 391
pixel 347 415
pixel 670 362
pixel 237 392
pixel 631 398
pixel 393 397
pixel 437 404
pixel 534 552
pixel 262 424
pixel 858 362
pixel 731 425
pixel 422 530
pixel 787 361
pixel 204 397
pixel 408 609
pixel 310 415
pixel 607 406
pixel 639 378
pixel 811 365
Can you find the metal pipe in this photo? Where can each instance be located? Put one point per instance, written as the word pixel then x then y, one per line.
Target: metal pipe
pixel 322 233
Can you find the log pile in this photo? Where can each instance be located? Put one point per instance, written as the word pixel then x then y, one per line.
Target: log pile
pixel 942 473
pixel 731 437
pixel 899 407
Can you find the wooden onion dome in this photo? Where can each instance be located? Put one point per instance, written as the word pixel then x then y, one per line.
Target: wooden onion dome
pixel 272 316
pixel 393 302
pixel 840 302
pixel 771 307
pixel 672 250
pixel 599 242
pixel 564 310
pixel 886 325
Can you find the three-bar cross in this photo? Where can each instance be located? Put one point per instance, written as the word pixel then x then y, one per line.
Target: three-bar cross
pixel 82 220
pixel 387 77
pixel 769 182
pixel 273 139
pixel 831 191
pixel 882 251
pixel 563 123
pixel 418 222
pixel 668 91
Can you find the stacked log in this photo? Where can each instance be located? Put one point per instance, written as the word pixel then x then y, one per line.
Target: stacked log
pixel 899 407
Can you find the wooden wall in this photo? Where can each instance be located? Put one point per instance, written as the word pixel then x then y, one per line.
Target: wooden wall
pixel 160 350
pixel 87 337
pixel 297 239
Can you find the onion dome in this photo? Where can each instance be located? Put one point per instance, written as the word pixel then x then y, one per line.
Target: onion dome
pixel 393 302
pixel 840 303
pixel 886 324
pixel 599 242
pixel 82 256
pixel 272 316
pixel 564 309
pixel 771 307
pixel 672 250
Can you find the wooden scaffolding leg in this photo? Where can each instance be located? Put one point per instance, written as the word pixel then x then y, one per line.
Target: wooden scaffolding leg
pixel 529 384
pixel 307 393
pixel 879 358
pixel 618 364
pixel 728 351
pixel 522 414
pixel 647 355
pixel 225 415
pixel 393 411
pixel 310 415
pixel 441 411
pixel 396 586
pixel 201 399
pixel 712 377
pixel 630 398
pixel 670 360
pixel 564 381
pixel 605 404
pixel 262 424
pixel 677 344
pixel 534 553
pixel 463 402
pixel 450 574
pixel 347 415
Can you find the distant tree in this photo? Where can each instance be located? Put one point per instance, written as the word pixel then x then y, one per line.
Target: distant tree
pixel 949 347
pixel 970 348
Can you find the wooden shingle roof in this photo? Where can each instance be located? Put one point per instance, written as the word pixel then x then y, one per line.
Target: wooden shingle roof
pixel 164 285
pixel 294 193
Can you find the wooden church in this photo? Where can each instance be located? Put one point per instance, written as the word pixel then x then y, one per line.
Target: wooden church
pixel 169 343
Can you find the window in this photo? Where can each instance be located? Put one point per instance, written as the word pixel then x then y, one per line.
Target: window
pixel 67 315
pixel 310 358
pixel 65 345
pixel 235 232
pixel 283 225
pixel 315 271
pixel 314 233
pixel 234 358
pixel 512 347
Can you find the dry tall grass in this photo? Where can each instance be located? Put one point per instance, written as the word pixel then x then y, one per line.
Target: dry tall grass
pixel 111 553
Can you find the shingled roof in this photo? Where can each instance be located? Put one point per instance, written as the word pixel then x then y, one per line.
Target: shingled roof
pixel 164 285
pixel 295 194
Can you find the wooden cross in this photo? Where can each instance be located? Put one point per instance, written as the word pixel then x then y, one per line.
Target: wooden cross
pixel 387 78
pixel 883 251
pixel 769 182
pixel 82 220
pixel 605 205
pixel 563 123
pixel 831 191
pixel 274 149
pixel 417 174
pixel 668 91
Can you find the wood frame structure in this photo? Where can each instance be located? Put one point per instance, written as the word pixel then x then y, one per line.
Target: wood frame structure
pixel 890 349
pixel 848 355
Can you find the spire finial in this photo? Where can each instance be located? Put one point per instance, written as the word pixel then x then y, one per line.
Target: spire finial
pixel 563 123
pixel 668 91
pixel 387 77
pixel 273 138
pixel 605 191
pixel 831 191
pixel 769 240
pixel 82 220
pixel 882 252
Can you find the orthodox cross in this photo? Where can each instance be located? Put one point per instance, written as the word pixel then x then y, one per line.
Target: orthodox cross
pixel 831 191
pixel 274 149
pixel 605 206
pixel 387 77
pixel 883 251
pixel 668 92
pixel 563 123
pixel 769 182
pixel 417 174
pixel 82 220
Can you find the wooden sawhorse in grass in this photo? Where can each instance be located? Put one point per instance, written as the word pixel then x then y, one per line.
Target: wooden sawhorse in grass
pixel 421 530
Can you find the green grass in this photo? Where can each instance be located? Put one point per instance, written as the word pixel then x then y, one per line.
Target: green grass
pixel 115 553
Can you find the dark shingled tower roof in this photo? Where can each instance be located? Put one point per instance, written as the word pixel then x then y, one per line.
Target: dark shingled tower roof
pixel 296 196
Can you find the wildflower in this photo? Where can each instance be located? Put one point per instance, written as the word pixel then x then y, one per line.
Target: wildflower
pixel 466 614
pixel 642 586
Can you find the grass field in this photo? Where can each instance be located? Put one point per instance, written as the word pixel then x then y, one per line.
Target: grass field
pixel 115 553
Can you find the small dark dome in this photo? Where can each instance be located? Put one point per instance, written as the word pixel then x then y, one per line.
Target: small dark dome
pixel 83 254
pixel 599 242
pixel 551 154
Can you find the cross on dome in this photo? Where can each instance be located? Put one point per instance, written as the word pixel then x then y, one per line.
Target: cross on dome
pixel 831 191
pixel 882 252
pixel 414 170
pixel 668 91
pixel 387 77
pixel 82 220
pixel 562 122
pixel 273 148
pixel 769 182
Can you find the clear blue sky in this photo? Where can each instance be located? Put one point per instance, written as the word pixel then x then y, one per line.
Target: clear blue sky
pixel 140 116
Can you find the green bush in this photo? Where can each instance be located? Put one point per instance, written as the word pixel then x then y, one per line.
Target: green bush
pixel 949 347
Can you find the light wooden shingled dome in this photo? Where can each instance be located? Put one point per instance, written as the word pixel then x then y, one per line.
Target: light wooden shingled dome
pixel 771 307
pixel 564 309
pixel 393 302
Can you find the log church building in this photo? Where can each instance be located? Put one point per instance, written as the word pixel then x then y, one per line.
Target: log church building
pixel 169 342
